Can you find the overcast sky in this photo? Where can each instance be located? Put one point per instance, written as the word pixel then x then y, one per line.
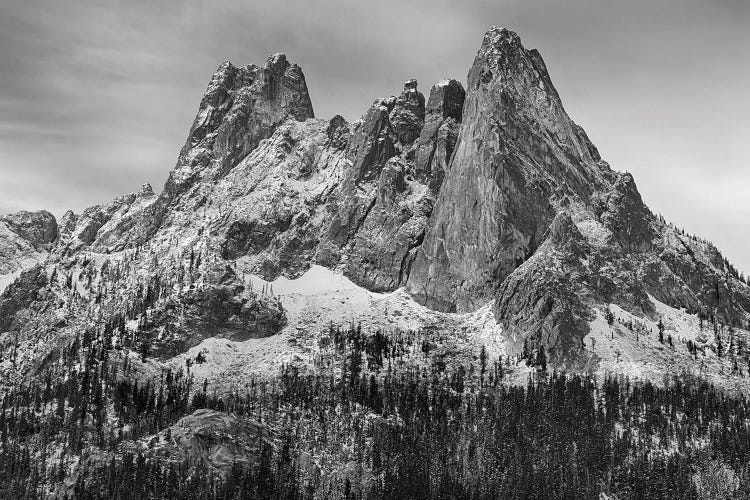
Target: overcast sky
pixel 97 97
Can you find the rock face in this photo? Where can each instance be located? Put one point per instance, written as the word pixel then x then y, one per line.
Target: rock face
pixel 105 227
pixel 25 237
pixel 484 195
pixel 518 156
pixel 540 300
pixel 438 137
pixel 381 208
pixel 38 228
pixel 214 439
pixel 241 107
pixel 20 295
pixel 223 308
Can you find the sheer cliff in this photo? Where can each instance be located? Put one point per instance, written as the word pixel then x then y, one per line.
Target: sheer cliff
pixel 476 195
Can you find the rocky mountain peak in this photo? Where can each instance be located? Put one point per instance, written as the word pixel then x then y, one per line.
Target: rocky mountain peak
pixel 407 114
pixel 501 52
pixel 25 237
pixel 285 82
pixel 487 201
pixel 146 190
pixel 39 228
pixel 277 64
pixel 241 106
pixel 410 84
pixel 489 194
pixel 498 36
pixel 442 115
pixel 67 224
pixel 518 160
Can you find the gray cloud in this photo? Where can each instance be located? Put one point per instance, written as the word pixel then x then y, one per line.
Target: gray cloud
pixel 97 97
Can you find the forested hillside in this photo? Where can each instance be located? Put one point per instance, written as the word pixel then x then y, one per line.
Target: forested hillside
pixel 368 421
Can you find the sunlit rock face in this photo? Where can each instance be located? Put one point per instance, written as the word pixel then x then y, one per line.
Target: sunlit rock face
pixel 517 160
pixel 476 195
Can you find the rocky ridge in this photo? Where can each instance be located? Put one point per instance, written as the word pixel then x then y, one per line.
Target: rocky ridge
pixel 25 237
pixel 488 194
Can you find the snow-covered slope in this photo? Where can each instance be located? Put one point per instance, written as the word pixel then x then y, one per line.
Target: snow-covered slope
pixel 485 215
pixel 687 347
pixel 321 298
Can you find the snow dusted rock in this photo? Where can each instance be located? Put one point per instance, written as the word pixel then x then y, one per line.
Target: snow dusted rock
pixel 222 308
pixel 382 207
pixel 407 116
pixel 25 238
pixel 38 228
pixel 373 143
pixel 67 224
pixel 523 174
pixel 438 137
pixel 486 199
pixel 384 246
pixel 20 295
pixel 272 209
pixel 633 225
pixel 517 159
pixel 241 107
pixel 104 227
pixel 540 302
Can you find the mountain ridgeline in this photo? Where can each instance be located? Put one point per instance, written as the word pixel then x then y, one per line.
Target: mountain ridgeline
pixel 489 193
pixel 467 300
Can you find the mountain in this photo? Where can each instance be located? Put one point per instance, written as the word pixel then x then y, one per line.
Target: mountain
pixel 486 195
pixel 482 217
pixel 25 237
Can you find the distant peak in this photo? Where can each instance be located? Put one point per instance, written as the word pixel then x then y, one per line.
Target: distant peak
pixel 410 84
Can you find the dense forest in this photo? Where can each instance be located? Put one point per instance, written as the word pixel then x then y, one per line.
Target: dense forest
pixel 366 422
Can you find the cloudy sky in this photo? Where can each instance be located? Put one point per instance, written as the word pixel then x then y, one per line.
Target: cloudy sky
pixel 97 97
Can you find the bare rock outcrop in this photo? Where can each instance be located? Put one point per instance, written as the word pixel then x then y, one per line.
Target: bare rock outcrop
pixel 382 210
pixel 485 195
pixel 25 237
pixel 438 137
pixel 241 107
pixel 38 228
pixel 224 307
pixel 211 438
pixel 518 156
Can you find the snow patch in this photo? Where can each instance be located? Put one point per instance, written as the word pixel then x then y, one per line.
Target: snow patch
pixel 317 280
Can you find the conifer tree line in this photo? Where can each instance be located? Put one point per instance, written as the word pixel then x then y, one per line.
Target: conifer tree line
pixel 379 415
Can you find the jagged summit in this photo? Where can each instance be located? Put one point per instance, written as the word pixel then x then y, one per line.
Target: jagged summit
pixel 487 197
pixel 498 36
pixel 327 277
pixel 146 190
pixel 25 237
pixel 518 159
